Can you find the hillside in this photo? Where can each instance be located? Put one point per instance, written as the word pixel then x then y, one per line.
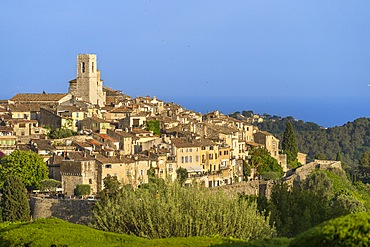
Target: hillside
pixel 55 232
pixel 350 140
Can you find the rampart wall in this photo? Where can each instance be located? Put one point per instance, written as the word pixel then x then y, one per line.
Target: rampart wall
pixel 74 211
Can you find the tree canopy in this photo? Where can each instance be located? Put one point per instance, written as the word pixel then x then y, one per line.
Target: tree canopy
pixel 265 165
pixel 29 166
pixel 289 145
pixel 14 202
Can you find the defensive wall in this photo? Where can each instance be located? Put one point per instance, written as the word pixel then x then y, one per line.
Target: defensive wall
pixel 74 211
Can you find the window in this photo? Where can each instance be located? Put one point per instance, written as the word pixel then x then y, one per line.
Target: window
pixel 22 125
pixel 182 159
pixel 197 158
pixel 210 156
pixel 83 67
pixel 92 67
pixel 186 159
pixel 190 159
pixel 108 166
pixel 211 148
pixel 90 181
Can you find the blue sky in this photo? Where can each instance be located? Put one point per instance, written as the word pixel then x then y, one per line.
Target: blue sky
pixel 257 50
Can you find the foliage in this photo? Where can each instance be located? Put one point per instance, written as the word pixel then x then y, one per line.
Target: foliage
pixel 82 190
pixel 176 211
pixel 55 232
pixel 14 202
pixel 154 126
pixel 351 140
pixel 289 145
pixel 182 175
pixel 322 196
pixel 265 165
pixel 29 166
pixel 60 133
pixel 50 185
pixel 350 230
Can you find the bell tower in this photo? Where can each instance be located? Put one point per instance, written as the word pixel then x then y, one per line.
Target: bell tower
pixel 88 86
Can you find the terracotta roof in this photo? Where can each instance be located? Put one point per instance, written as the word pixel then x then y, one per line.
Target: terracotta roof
pixel 16 121
pixel 123 133
pixel 98 119
pixel 94 142
pixel 42 144
pixel 105 136
pixel 69 108
pixel 253 144
pixel 102 159
pixel 79 156
pixel 6 129
pixel 182 143
pixel 82 144
pixel 121 110
pixel 27 107
pixel 38 97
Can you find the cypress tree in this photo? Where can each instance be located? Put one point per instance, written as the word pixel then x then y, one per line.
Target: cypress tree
pixel 14 202
pixel 289 145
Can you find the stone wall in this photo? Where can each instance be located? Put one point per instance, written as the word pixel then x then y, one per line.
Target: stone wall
pixel 255 187
pixel 74 211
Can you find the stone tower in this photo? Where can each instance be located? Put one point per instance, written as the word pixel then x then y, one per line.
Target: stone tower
pixel 87 86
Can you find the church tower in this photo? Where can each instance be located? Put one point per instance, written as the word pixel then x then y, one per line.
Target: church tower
pixel 87 86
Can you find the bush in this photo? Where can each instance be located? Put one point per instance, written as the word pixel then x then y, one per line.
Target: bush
pixel 60 133
pixel 50 185
pixel 82 190
pixel 175 211
pixel 349 230
pixel 14 202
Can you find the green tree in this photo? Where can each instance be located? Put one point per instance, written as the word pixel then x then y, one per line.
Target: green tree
pixel 82 190
pixel 60 133
pixel 154 126
pixel 182 175
pixel 111 187
pixel 29 166
pixel 265 165
pixel 14 202
pixel 50 185
pixel 289 145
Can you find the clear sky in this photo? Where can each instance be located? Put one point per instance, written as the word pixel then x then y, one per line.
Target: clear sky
pixel 265 54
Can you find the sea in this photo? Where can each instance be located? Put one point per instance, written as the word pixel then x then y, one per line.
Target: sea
pixel 324 111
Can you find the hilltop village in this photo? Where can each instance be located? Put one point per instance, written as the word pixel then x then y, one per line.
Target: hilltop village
pixel 129 138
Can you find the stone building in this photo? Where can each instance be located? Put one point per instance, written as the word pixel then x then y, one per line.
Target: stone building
pixel 78 168
pixel 87 86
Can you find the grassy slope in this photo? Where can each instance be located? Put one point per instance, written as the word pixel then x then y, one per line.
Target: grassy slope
pixel 47 232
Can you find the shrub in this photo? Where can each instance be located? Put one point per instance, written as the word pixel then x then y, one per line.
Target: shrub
pixel 349 230
pixel 50 185
pixel 14 202
pixel 175 211
pixel 82 190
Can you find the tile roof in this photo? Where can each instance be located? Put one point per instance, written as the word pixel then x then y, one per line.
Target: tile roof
pixel 38 97
pixel 27 107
